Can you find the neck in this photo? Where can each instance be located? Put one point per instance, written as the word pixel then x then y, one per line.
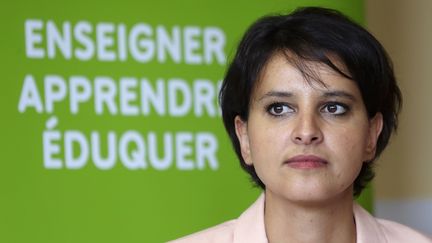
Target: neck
pixel 287 221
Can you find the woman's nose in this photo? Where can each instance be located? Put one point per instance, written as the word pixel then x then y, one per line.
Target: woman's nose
pixel 307 130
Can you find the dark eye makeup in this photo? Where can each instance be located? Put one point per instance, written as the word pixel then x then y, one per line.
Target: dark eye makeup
pixel 331 108
pixel 279 109
pixel 335 108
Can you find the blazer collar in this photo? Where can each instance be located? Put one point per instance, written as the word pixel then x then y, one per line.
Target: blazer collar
pixel 367 227
pixel 250 225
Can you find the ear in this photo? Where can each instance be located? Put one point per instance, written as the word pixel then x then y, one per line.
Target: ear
pixel 243 137
pixel 375 128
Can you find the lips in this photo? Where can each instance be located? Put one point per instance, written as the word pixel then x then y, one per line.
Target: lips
pixel 306 162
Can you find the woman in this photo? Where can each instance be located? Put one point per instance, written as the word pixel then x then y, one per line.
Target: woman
pixel 318 104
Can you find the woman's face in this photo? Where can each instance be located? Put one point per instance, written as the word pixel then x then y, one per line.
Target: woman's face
pixel 307 141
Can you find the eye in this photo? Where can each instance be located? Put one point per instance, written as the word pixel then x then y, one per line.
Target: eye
pixel 279 109
pixel 335 108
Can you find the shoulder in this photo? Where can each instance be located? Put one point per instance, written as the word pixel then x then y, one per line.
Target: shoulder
pixel 249 227
pixel 395 232
pixel 220 233
pixel 371 229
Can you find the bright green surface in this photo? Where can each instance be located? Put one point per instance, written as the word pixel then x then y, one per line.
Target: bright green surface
pixel 118 204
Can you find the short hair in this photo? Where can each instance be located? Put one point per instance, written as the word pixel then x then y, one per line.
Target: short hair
pixel 313 34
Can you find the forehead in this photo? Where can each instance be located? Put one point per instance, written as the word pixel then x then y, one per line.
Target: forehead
pixel 285 73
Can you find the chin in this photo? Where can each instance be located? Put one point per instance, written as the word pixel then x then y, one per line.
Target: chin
pixel 310 199
pixel 314 196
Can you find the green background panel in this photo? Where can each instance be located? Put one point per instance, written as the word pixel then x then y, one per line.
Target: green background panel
pixel 118 205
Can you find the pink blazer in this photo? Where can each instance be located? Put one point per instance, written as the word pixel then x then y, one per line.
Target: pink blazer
pixel 249 228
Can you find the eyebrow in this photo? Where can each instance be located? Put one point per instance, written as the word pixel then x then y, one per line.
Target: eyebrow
pixel 283 94
pixel 339 93
pixel 279 94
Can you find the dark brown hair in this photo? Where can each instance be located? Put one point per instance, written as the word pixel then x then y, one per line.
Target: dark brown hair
pixel 313 34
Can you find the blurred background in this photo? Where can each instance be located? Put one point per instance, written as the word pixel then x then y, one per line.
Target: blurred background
pixel 403 186
pixel 110 128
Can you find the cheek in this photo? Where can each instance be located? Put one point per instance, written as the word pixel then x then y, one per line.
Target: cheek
pixel 353 138
pixel 265 145
pixel 348 159
pixel 351 147
pixel 259 144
